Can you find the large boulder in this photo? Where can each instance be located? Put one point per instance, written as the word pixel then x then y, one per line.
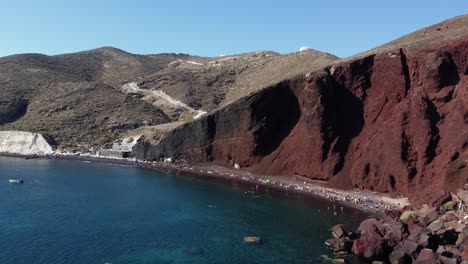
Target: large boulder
pixel 371 246
pixel 464 253
pixel 426 256
pixel 368 224
pixel 435 226
pixel 409 247
pixel 463 195
pixel 427 214
pixel 339 231
pixel 399 256
pixel 441 198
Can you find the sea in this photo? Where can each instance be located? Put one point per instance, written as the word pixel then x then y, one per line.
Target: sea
pixel 90 212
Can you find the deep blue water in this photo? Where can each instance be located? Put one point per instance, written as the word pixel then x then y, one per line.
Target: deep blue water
pixel 79 212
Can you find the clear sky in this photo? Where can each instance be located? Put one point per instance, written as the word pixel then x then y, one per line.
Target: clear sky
pixel 210 28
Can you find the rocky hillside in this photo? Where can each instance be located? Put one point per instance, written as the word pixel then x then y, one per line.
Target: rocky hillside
pixel 94 97
pixel 210 83
pixel 394 119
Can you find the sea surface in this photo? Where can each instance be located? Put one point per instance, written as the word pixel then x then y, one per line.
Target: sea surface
pixel 83 212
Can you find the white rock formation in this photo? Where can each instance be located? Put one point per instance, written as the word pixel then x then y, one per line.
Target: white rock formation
pixel 24 143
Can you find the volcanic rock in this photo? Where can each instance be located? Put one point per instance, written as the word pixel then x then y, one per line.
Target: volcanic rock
pixel 441 199
pixel 426 256
pixel 463 195
pixel 427 214
pixel 398 256
pixel 388 120
pixel 464 253
pixel 339 231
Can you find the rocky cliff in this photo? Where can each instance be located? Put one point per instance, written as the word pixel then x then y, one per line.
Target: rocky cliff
pixel 83 99
pixel 392 120
pixel 24 143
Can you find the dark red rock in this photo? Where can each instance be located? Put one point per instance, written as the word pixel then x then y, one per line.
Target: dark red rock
pixel 418 233
pixel 450 217
pixel 398 256
pixel 412 224
pixel 409 247
pixel 464 253
pixel 462 239
pixel 371 241
pixel 368 225
pixel 427 214
pixel 426 256
pixel 442 197
pixel 435 226
pixel 389 121
pixel 395 214
pixel 369 247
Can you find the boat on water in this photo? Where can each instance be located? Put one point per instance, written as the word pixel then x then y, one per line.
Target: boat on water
pixel 16 181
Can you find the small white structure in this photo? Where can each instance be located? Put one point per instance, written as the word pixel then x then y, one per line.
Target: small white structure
pixel 304 48
pixel 236 166
pixel 126 144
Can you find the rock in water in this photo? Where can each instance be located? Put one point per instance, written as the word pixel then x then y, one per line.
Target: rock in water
pixel 252 240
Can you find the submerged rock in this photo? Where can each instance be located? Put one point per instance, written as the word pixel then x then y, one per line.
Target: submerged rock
pixel 194 251
pixel 252 240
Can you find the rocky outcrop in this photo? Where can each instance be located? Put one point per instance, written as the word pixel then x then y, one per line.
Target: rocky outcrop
pixel 23 143
pixel 394 121
pixel 432 235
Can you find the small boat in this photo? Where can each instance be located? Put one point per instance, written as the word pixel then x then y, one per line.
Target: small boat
pixel 16 181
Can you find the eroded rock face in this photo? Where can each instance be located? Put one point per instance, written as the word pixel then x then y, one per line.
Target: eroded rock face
pixel 391 122
pixel 24 143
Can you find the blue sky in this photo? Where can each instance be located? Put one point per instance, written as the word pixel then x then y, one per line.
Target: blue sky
pixel 210 28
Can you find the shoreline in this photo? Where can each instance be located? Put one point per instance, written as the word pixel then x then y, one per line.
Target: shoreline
pixel 371 203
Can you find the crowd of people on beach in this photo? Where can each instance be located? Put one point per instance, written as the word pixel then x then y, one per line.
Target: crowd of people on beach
pixel 294 183
pixel 291 184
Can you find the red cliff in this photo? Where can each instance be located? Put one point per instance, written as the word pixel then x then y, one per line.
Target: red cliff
pixel 392 120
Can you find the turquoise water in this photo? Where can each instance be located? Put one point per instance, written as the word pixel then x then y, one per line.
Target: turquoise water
pixel 79 212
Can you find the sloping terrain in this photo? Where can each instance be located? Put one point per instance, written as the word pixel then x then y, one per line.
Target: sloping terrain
pixel 393 120
pixel 92 98
pixel 210 83
pixel 71 98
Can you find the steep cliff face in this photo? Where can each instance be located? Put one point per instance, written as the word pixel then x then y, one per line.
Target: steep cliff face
pixel 24 143
pixel 395 121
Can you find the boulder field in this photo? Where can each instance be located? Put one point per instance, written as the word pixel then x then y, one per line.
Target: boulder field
pixel 437 233
pixel 394 121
